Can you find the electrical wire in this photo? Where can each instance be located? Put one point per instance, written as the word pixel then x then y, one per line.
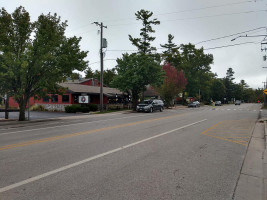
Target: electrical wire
pixel 201 17
pixel 230 45
pixel 231 35
pixel 175 12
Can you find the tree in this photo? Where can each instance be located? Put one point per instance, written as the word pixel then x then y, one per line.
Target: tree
pixel 108 75
pixel 89 73
pixel 171 54
pixel 196 66
pixel 143 44
pixel 217 90
pixel 229 84
pixel 135 72
pixel 34 56
pixel 174 82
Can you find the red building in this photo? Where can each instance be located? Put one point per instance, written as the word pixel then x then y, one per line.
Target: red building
pixel 89 88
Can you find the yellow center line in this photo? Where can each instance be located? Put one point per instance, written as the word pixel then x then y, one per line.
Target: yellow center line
pixel 21 144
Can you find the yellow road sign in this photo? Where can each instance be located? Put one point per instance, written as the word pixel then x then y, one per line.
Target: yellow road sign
pixel 265 91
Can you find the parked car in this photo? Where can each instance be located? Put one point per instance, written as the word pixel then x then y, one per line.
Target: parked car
pixel 237 102
pixel 218 103
pixel 194 104
pixel 150 106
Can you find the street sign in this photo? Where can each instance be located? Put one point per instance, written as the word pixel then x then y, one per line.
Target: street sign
pixel 265 91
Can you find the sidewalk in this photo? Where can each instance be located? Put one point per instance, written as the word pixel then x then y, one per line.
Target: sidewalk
pixel 252 183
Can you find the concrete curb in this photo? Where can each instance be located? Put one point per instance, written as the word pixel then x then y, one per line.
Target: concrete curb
pixel 250 184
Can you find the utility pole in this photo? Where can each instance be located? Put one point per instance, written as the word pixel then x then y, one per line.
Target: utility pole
pixel 6 106
pixel 101 63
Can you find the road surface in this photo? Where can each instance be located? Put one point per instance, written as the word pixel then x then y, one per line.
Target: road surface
pixel 189 153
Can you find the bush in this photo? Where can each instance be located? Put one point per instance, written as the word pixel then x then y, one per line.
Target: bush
pixel 38 108
pixel 92 107
pixel 77 108
pixel 73 109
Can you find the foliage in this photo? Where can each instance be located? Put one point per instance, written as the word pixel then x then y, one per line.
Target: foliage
pixel 135 72
pixel 229 84
pixel 171 54
pixel 217 90
pixel 34 56
pixel 73 108
pixel 89 73
pixel 174 82
pixel 92 107
pixel 108 75
pixel 78 108
pixel 196 66
pixel 143 43
pixel 38 108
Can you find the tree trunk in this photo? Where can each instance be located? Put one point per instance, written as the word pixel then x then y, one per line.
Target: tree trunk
pixel 135 100
pixel 22 108
pixel 6 107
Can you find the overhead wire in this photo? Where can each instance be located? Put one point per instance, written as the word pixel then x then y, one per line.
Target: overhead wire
pixel 175 12
pixel 218 38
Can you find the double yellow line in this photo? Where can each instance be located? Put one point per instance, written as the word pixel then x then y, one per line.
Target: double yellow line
pixel 21 144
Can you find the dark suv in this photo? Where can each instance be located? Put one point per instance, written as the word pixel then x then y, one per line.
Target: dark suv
pixel 150 106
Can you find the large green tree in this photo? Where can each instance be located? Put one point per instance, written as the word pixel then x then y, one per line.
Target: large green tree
pixel 34 56
pixel 108 75
pixel 229 84
pixel 218 90
pixel 143 43
pixel 135 72
pixel 171 52
pixel 196 66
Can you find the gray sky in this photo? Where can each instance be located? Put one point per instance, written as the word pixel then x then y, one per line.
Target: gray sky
pixel 188 20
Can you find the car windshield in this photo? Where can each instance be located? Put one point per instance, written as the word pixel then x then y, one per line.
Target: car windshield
pixel 146 102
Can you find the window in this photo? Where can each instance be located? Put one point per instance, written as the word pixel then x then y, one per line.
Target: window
pixel 54 98
pixel 65 98
pixel 46 99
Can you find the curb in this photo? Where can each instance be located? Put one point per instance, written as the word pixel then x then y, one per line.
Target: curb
pixel 251 183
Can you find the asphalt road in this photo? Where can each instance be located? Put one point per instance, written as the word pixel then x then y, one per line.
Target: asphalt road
pixel 190 153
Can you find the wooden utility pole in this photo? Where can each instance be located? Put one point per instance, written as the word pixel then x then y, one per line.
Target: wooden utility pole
pixel 101 63
pixel 6 106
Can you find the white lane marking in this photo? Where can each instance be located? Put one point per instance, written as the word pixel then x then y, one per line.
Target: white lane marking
pixel 104 120
pixel 15 185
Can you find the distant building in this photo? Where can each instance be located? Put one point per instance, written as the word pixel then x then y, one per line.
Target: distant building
pixel 75 88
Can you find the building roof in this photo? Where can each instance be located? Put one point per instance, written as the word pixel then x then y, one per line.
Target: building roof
pixel 79 88
pixel 150 92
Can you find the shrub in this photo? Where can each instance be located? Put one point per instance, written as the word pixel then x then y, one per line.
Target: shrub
pixel 92 107
pixel 73 108
pixel 77 108
pixel 38 108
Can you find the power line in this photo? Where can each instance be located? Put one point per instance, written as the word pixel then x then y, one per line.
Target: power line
pixel 230 45
pixel 99 61
pixel 201 17
pixel 230 35
pixel 175 12
pixel 188 10
pixel 204 8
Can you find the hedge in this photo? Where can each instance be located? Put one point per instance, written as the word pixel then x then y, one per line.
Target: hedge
pixel 77 108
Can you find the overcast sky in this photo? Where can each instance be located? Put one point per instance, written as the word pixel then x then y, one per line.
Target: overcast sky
pixel 191 21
